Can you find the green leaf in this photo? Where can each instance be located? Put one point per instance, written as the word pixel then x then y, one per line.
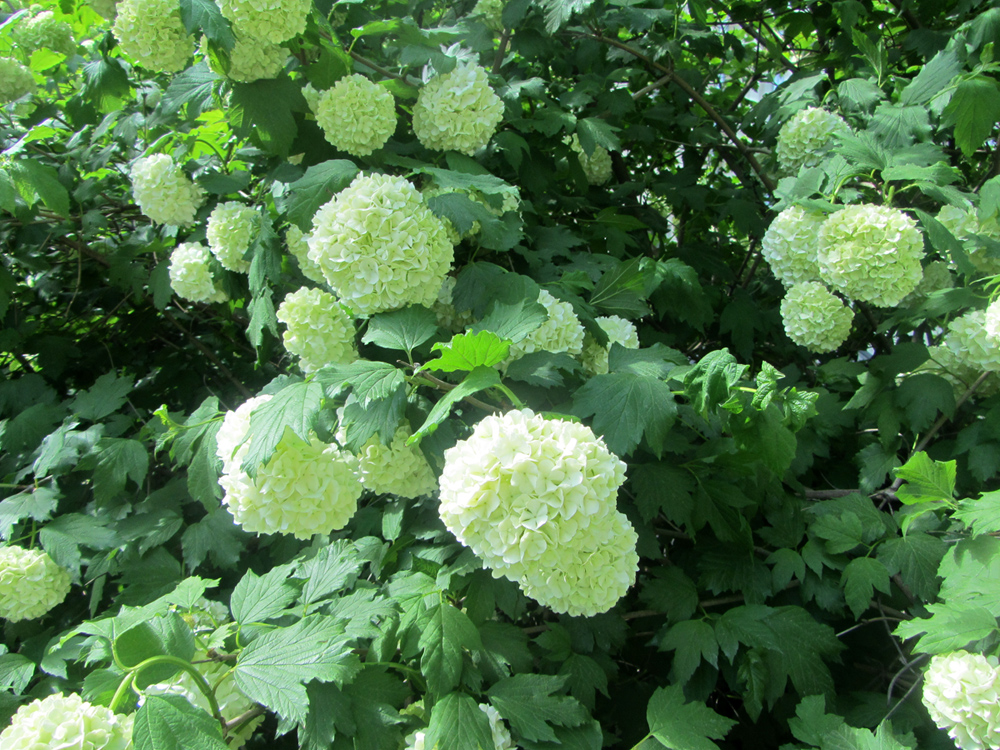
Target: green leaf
pixel 512 318
pixel 317 186
pixel 39 504
pixel 460 210
pixel 334 567
pixel 932 78
pixel 679 294
pixel 262 317
pixel 916 558
pixel 216 536
pixel 119 459
pixel 712 382
pixel 971 573
pixel 163 635
pixel 370 381
pixel 663 488
pixel 655 361
pixel 861 577
pixel 205 16
pixel 105 82
pixel 620 290
pixel 172 722
pixel 457 723
pixel 594 131
pixel 479 379
pixel 262 110
pixel 379 417
pixel 982 515
pixel 692 641
pixel 258 598
pixel 531 704
pixel 974 110
pixel 63 537
pixel 626 408
pixel 203 472
pixel 295 407
pixel 403 330
pixel 37 181
pixel 949 628
pixel 923 396
pixel 926 480
pixel 445 633
pixel 672 592
pixel 467 351
pixel 763 436
pixel 275 667
pixel 107 395
pixel 684 726
pixel 192 87
pixel 558 12
pixel 584 677
pixel 264 254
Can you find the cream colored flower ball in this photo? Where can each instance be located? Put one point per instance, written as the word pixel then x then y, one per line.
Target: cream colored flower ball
pixel 969 340
pixel 191 276
pixel 562 332
pixel 319 331
pixel 164 193
pixel 357 116
pixel 791 245
pixel 230 231
pixel 152 34
pixel 815 318
pixel 396 469
pixel 962 695
pixel 266 20
pixel 807 137
pixel 619 331
pixel 15 80
pixel 31 583
pixel 457 111
pixel 67 722
pixel 597 166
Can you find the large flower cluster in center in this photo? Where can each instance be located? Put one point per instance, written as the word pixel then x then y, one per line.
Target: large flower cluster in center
pixel 962 695
pixel 67 721
pixel 535 498
pixel 457 111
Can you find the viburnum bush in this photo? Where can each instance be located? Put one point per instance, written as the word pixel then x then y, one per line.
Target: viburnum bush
pixel 499 374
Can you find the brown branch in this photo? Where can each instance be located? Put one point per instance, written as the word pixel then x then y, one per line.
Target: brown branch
pixel 443 386
pixel 501 50
pixel 827 494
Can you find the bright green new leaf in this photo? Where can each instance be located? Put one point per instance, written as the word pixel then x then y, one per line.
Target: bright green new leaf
pixel 467 351
pixel 680 725
pixel 37 181
pixel 926 480
pixel 950 627
pixel 982 515
pixel 295 407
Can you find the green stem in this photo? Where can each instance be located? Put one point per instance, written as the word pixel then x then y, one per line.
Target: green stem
pixel 510 394
pixel 188 667
pixel 122 690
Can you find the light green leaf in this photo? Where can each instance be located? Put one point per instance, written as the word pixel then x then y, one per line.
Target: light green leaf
pixel 532 704
pixel 679 725
pixel 593 132
pixel 950 627
pixel 926 480
pixel 37 181
pixel 172 722
pixel 512 318
pixel 295 407
pixel 371 381
pixel 467 351
pixel 916 558
pixel 403 330
pixel 333 568
pixel 107 395
pixel 258 598
pixel 479 379
pixel 192 87
pixel 982 515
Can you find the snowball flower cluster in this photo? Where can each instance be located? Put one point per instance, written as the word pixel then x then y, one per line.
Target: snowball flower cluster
pixel 535 499
pixel 306 488
pixel 265 20
pixel 964 224
pixel 396 469
pixel 44 30
pixel 152 34
pixel 457 111
pixel 30 583
pixel 562 332
pixel 815 318
pixel 791 244
pixel 936 277
pixel 620 331
pixel 357 116
pixel 191 276
pixel 164 193
pixel 490 12
pixel 969 340
pixel 319 331
pixel 962 695
pixel 379 246
pixel 871 253
pixel 991 322
pixel 807 137
pixel 297 242
pixel 597 166
pixel 15 80
pixel 67 721
pixel 250 59
pixel 229 232
pixel 501 737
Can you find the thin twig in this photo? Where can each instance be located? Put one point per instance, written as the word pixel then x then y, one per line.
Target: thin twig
pixel 501 50
pixel 379 69
pixel 442 385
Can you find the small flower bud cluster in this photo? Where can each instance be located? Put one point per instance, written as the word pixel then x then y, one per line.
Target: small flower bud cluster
pixel 871 253
pixel 30 583
pixel 250 59
pixel 44 30
pixel 815 318
pixel 620 331
pixel 936 277
pixel 265 20
pixel 501 737
pixel 807 137
pixel 191 276
pixel 535 499
pixel 229 232
pixel 457 111
pixel 15 80
pixel 964 224
pixel 152 34
pixel 562 332
pixel 164 193
pixel 319 331
pixel 379 246
pixel 396 469
pixel 306 488
pixel 969 340
pixel 67 721
pixel 791 245
pixel 962 695
pixel 357 116
pixel 597 166
pixel 490 12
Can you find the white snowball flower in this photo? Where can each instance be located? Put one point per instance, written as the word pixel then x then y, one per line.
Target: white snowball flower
pixel 15 80
pixel 535 498
pixel 306 488
pixel 791 245
pixel 991 322
pixel 936 277
pixel 229 232
pixel 152 34
pixel 871 253
pixel 357 116
pixel 962 695
pixel 265 20
pixel 190 275
pixel 807 137
pixel 30 583
pixel 67 722
pixel 457 111
pixel 964 224
pixel 319 331
pixel 379 246
pixel 970 342
pixel 396 469
pixel 620 331
pixel 44 30
pixel 250 59
pixel 597 166
pixel 298 245
pixel 490 12
pixel 815 318
pixel 164 193
pixel 562 332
